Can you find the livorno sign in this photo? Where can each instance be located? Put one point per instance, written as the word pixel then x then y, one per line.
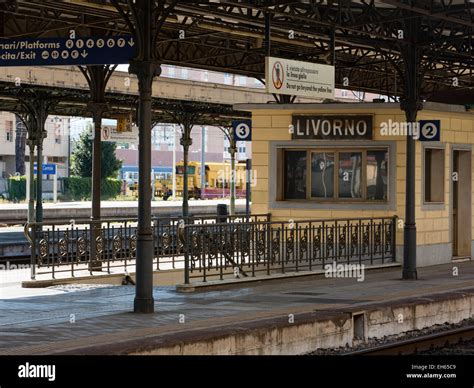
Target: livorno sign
pixel 324 127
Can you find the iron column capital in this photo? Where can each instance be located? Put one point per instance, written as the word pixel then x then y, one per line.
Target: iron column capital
pixel 186 142
pixel 145 72
pixel 97 109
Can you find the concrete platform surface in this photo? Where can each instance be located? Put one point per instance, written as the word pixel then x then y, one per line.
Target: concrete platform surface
pixel 79 319
pixel 81 209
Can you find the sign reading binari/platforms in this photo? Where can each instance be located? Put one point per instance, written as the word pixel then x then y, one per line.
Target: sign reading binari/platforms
pixel 348 127
pixel 66 51
pixel 306 79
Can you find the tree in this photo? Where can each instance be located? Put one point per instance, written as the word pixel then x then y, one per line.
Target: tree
pixel 82 157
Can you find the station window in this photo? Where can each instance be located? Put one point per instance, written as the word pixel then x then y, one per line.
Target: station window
pixel 434 175
pixel 9 130
pixel 335 175
pixel 350 175
pixel 295 175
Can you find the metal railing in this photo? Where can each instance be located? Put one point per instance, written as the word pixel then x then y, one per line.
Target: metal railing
pixel 222 251
pixel 59 247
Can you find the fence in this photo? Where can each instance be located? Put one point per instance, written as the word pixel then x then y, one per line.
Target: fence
pixel 58 247
pixel 212 246
pixel 244 249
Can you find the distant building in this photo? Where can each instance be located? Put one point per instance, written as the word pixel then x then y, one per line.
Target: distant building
pixel 216 149
pixel 55 146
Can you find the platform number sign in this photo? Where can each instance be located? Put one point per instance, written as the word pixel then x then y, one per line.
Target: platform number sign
pixel 430 130
pixel 242 130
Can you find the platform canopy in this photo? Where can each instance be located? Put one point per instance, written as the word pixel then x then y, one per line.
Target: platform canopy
pixel 364 39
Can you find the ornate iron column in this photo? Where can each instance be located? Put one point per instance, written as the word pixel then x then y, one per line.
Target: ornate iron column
pixel 31 141
pixel 38 105
pixel 29 123
pixel 186 141
pixel 187 119
pixel 145 71
pixel 228 131
pixel 411 103
pixel 232 151
pixel 144 19
pixel 97 78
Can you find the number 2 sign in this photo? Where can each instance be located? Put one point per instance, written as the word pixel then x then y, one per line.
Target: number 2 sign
pixel 430 130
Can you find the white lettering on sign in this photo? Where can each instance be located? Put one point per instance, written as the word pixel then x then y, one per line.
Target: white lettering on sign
pixel 332 127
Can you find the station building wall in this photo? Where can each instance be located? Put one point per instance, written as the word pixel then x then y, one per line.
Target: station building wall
pixel 270 130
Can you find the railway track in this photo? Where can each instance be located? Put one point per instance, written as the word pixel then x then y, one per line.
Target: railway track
pixel 419 344
pixel 15 259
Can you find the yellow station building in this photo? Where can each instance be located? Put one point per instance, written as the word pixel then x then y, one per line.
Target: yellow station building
pixel 326 161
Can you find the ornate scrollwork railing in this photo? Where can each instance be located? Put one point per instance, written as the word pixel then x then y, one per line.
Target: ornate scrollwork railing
pixel 263 247
pixel 102 245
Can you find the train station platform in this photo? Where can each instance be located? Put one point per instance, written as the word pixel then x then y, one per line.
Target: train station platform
pixel 293 316
pixel 13 243
pixel 82 209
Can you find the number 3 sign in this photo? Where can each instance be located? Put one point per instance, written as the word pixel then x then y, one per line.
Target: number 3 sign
pixel 242 130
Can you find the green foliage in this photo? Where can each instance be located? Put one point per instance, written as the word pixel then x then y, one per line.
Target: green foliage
pixel 82 157
pixel 110 188
pixel 17 188
pixel 79 188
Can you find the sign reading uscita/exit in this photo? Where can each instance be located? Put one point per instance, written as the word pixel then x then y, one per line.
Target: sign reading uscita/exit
pixel 67 51
pixel 350 127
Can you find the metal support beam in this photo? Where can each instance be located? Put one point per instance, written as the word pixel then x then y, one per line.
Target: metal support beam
pixel 248 185
pixel 38 105
pixel 41 108
pixel 97 78
pixel 145 71
pixel 232 151
pixel 39 180
pixel 144 20
pixel 31 182
pixel 97 110
pixel 268 42
pixel 411 104
pixel 186 141
pixel 203 161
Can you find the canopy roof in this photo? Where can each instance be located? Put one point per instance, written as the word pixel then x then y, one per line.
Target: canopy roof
pixel 229 36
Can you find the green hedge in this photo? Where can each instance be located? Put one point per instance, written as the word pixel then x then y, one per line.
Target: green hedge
pixel 17 188
pixel 79 188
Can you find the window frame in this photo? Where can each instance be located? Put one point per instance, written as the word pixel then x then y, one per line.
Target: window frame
pixel 425 205
pixel 283 174
pixel 336 199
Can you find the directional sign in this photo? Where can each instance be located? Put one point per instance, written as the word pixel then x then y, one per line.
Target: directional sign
pixel 242 130
pixel 64 51
pixel 48 169
pixel 430 130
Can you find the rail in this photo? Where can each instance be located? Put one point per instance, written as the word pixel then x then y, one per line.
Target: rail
pixel 418 344
pixel 110 243
pixel 223 251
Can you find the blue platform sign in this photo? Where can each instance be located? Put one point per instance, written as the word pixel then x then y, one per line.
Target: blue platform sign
pixel 64 51
pixel 242 130
pixel 430 130
pixel 48 169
